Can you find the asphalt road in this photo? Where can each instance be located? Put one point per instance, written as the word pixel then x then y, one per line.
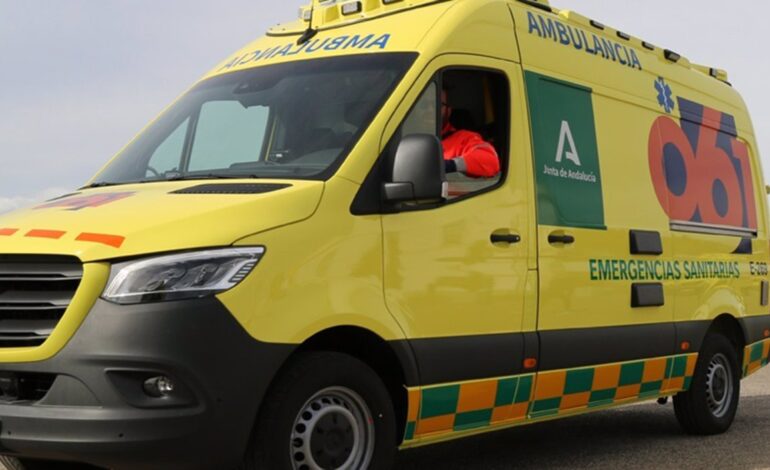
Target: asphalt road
pixel 639 436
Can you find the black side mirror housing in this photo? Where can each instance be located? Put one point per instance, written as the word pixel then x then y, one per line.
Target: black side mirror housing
pixel 418 173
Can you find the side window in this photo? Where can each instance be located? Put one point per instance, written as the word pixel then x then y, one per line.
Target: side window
pixel 228 133
pixel 472 123
pixel 168 154
pixel 423 118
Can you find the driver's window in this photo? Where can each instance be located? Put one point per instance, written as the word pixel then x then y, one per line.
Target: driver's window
pixel 468 110
pixel 168 154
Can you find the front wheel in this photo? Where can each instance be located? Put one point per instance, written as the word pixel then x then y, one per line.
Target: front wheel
pixel 326 411
pixel 10 463
pixel 709 406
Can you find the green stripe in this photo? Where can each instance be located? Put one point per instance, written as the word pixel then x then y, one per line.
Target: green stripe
pixel 439 401
pixel 409 433
pixel 524 391
pixel 602 395
pixel 472 419
pixel 541 407
pixel 506 389
pixel 631 373
pixel 679 368
pixel 651 388
pixel 579 381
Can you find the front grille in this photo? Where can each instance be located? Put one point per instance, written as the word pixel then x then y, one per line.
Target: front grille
pixel 35 291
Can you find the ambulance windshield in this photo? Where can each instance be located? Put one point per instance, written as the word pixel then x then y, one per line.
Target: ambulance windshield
pixel 297 121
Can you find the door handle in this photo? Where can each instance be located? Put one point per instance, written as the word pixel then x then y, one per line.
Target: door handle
pixel 563 239
pixel 505 238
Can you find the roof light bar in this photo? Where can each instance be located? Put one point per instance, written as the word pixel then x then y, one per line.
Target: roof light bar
pixel 352 8
pixel 671 55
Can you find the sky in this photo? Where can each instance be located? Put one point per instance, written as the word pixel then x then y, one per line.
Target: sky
pixel 79 78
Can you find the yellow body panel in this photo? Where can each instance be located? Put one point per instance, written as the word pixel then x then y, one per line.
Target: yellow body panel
pixel 145 219
pixel 441 261
pixel 322 273
pixel 434 274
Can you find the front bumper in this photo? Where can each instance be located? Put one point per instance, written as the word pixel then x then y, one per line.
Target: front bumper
pixel 97 412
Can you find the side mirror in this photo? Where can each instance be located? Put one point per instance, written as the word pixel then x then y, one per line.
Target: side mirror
pixel 418 173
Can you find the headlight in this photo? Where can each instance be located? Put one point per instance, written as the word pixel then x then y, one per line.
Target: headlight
pixel 181 276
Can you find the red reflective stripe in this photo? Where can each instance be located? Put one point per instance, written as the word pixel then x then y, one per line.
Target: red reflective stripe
pixel 114 241
pixel 7 232
pixel 55 234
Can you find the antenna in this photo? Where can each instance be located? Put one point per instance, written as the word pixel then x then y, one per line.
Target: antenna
pixel 309 32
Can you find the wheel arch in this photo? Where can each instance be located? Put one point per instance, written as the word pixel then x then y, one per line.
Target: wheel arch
pixel 393 361
pixel 728 326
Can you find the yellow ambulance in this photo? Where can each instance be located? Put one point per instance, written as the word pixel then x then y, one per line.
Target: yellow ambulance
pixel 306 262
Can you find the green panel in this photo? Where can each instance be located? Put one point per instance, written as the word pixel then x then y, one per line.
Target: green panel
pixel 506 388
pixel 541 407
pixel 596 404
pixel 651 388
pixel 569 184
pixel 756 352
pixel 472 419
pixel 579 381
pixel 409 433
pixel 631 374
pixel 687 382
pixel 680 366
pixel 524 391
pixel 439 401
pixel 603 395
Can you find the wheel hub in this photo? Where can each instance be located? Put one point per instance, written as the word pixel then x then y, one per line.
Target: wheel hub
pixel 334 430
pixel 333 439
pixel 719 386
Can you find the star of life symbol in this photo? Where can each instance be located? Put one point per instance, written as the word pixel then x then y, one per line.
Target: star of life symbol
pixel 665 98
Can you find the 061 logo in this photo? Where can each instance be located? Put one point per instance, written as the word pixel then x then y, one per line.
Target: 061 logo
pixel 700 170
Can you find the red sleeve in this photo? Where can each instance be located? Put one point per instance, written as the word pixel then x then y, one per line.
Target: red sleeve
pixel 480 157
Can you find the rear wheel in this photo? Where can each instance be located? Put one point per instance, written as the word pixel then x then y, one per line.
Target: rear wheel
pixel 326 411
pixel 709 406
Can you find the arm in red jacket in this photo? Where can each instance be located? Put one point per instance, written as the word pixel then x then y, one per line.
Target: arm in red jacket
pixel 471 154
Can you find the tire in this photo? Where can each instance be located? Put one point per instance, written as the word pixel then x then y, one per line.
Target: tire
pixel 10 463
pixel 709 406
pixel 326 410
pixel 13 463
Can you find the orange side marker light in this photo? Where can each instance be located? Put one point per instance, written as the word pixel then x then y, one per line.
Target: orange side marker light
pixel 685 345
pixel 530 363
